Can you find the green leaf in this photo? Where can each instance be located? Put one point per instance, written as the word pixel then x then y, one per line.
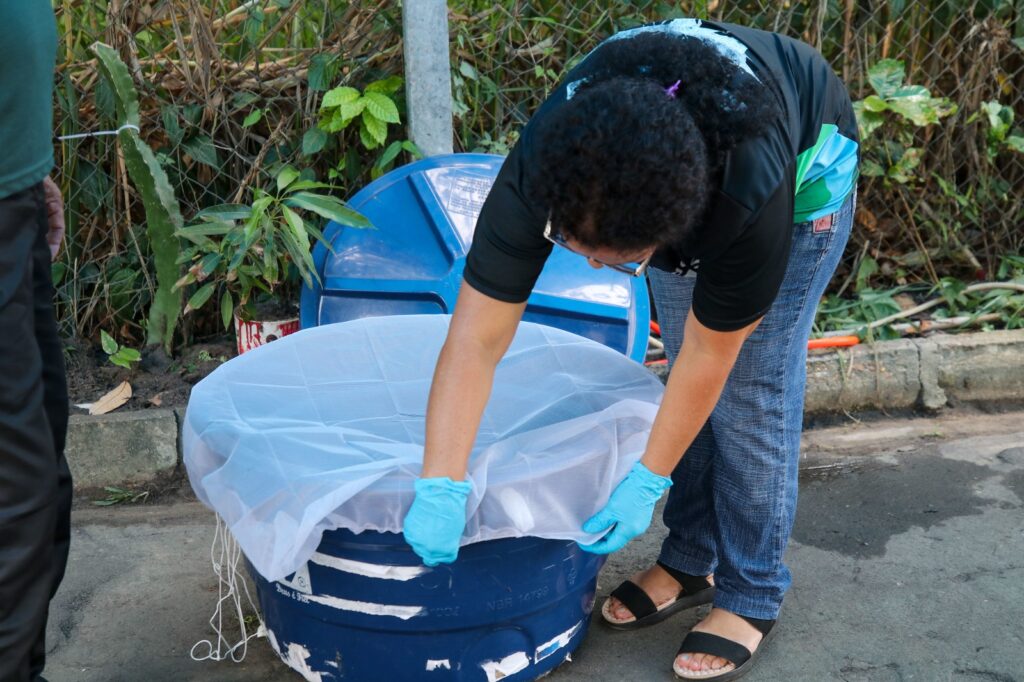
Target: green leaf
pixel 308 184
pixel 117 77
pixel 1016 143
pixel 202 149
pixel 886 77
pixel 223 212
pixel 253 118
pixel 922 111
pixel 910 91
pixel 387 86
pixel 903 170
pixel 227 308
pixel 868 267
pixel 410 147
pixel 328 207
pixel 323 69
pixel 867 121
pixel 871 169
pixel 313 141
pixel 209 263
pixel 365 137
pixel 169 117
pixel 875 103
pixel 57 273
pixel 1000 119
pixel 393 150
pixel 339 96
pixel 467 70
pixel 287 176
pixel 240 100
pixel 349 110
pixel 120 361
pixel 377 129
pixel 199 234
pixel 108 343
pixel 294 221
pixel 199 298
pixel 298 246
pixel 130 354
pixel 381 106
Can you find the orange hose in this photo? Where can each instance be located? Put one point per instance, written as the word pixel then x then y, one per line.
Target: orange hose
pixel 833 342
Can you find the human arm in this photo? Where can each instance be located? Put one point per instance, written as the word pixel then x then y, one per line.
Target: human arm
pixel 480 332
pixel 701 369
pixel 54 215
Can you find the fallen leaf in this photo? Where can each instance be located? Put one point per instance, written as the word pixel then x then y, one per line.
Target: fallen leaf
pixel 867 219
pixel 112 400
pixel 157 400
pixel 904 301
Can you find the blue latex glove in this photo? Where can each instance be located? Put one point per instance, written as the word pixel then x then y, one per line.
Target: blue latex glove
pixel 436 519
pixel 629 510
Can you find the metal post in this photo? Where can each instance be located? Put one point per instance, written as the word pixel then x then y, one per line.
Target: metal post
pixel 428 81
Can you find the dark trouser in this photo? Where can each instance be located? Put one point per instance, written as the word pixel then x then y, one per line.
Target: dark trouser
pixel 35 484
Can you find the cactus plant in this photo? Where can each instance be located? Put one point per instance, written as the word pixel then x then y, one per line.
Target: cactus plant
pixel 163 215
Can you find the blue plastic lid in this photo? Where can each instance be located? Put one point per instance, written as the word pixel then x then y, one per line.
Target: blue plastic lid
pixel 425 214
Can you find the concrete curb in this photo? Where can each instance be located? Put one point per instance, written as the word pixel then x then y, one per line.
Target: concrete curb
pixel 136 448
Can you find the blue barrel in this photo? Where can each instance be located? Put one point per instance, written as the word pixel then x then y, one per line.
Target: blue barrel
pixel 425 214
pixel 365 609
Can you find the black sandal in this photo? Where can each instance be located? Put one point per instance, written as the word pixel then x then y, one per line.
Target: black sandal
pixel 696 590
pixel 715 645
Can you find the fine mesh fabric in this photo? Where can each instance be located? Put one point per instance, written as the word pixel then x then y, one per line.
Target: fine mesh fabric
pixel 325 428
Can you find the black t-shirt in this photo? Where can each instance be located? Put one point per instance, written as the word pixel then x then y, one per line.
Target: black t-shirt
pixel 801 168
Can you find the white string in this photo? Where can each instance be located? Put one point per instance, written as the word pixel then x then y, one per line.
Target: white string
pixel 96 133
pixel 230 586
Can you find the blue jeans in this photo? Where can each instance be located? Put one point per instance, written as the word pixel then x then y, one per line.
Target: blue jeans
pixel 731 507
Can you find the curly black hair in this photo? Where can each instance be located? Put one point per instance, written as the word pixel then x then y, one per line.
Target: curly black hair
pixel 622 164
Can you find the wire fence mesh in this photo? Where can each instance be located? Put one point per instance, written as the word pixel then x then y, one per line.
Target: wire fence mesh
pixel 228 88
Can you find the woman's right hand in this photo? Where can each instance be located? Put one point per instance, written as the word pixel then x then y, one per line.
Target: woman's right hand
pixel 436 519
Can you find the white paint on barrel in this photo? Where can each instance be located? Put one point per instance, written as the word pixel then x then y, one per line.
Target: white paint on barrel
pixel 506 667
pixel 552 645
pixel 370 608
pixel 295 658
pixel 382 571
pixel 438 664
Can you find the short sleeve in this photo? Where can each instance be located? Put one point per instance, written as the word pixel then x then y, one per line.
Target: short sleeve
pixel 738 286
pixel 509 248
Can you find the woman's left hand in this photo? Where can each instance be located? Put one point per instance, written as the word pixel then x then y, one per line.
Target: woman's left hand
pixel 629 510
pixel 54 215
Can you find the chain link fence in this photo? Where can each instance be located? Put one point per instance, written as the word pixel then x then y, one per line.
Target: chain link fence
pixel 228 88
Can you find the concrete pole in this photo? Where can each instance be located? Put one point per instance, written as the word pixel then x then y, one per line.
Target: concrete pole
pixel 428 80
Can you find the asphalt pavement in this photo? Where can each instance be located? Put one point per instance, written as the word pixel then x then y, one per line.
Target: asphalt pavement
pixel 907 556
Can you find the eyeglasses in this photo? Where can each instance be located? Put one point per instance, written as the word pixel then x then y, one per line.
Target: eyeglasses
pixel 628 268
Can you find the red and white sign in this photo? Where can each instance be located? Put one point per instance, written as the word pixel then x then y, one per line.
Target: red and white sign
pixel 256 333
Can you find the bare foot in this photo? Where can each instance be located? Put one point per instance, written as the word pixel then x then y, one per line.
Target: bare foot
pixel 724 624
pixel 656 582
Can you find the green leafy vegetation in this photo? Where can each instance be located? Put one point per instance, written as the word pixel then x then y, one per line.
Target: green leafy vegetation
pixel 117 495
pixel 229 94
pixel 237 249
pixel 121 356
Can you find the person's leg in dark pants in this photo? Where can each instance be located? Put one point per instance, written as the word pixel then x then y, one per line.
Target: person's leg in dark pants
pixel 35 486
pixel 55 402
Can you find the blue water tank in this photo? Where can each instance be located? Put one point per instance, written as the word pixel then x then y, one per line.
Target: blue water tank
pixel 425 214
pixel 366 609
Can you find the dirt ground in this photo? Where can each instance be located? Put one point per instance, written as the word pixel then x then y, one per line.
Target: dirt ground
pixel 155 382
